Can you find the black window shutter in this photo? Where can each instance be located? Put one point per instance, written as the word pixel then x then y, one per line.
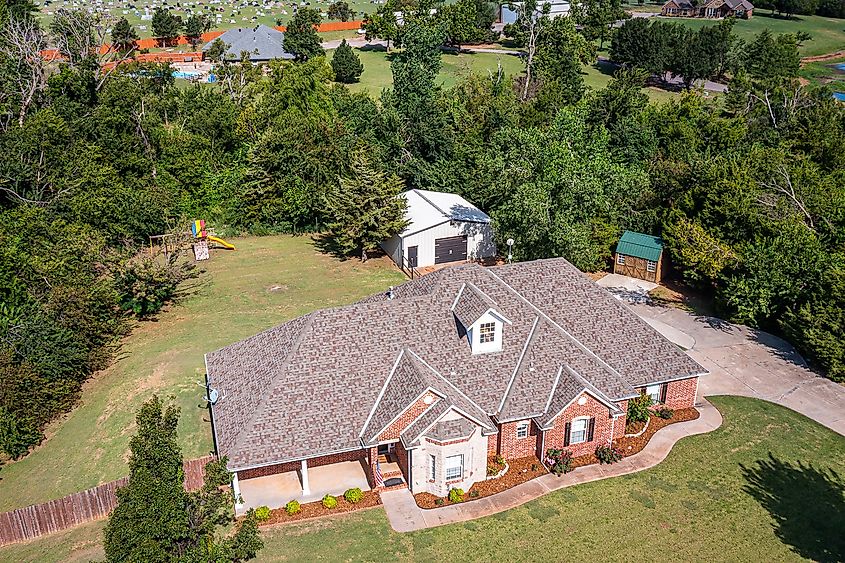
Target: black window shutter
pixel 566 431
pixel 591 429
pixel 663 392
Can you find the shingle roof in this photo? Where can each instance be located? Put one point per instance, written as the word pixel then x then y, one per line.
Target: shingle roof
pixel 471 304
pixel 322 383
pixel 446 430
pixel 263 43
pixel 639 245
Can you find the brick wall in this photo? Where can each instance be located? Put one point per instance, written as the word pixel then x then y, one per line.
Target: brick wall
pixel 405 419
pixel 402 458
pixel 492 444
pixel 681 394
pixel 511 447
pixel 601 433
pixel 353 455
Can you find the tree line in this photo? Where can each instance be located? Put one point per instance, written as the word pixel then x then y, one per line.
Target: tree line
pixel 747 193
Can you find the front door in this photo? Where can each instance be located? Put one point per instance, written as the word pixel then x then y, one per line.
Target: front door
pixel 412 256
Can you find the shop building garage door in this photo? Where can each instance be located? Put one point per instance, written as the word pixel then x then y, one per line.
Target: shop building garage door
pixel 450 249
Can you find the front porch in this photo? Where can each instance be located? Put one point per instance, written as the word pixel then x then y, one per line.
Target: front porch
pixel 308 484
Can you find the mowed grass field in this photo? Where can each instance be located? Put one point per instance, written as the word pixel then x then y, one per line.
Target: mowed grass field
pixel 377 75
pixel 828 34
pixel 766 486
pixel 264 282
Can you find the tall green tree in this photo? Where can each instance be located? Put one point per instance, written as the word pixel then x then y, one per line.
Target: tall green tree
pixel 382 23
pixel 166 26
pixel 301 37
pixel 461 22
pixel 340 10
pixel 123 35
pixel 560 54
pixel 346 65
pixel 364 209
pixel 156 519
pixel 195 26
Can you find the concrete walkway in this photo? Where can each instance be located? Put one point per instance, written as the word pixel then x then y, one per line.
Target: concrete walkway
pixel 405 516
pixel 752 363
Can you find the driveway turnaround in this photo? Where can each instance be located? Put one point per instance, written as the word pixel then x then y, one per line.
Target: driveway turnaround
pixel 752 363
pixel 405 516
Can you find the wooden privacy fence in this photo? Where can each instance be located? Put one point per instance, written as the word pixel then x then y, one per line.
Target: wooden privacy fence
pixel 78 508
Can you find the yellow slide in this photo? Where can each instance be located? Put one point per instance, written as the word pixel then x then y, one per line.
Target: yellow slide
pixel 222 242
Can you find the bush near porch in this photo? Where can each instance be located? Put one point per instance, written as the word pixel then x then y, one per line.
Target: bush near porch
pixel 318 508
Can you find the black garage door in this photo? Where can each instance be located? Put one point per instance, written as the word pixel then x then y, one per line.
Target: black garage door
pixel 450 249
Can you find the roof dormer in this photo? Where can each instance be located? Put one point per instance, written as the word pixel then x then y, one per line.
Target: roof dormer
pixel 480 319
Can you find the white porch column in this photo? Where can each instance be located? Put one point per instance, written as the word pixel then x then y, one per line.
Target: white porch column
pixel 236 489
pixel 306 490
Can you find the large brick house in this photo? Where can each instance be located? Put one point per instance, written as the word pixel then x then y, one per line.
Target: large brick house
pixel 708 9
pixel 425 382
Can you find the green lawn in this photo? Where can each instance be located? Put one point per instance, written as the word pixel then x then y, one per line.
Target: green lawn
pixel 828 33
pixel 763 487
pixel 264 282
pixel 377 73
pixel 826 73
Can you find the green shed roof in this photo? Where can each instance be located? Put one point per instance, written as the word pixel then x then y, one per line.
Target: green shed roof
pixel 642 246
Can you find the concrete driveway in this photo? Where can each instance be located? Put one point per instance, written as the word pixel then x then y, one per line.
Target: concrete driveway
pixel 752 363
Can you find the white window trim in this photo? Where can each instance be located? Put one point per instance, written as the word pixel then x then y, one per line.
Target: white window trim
pixel 620 259
pixel 651 266
pixel 653 391
pixel 448 468
pixel 523 426
pixel 586 420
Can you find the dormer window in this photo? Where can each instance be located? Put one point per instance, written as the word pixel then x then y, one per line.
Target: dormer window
pixel 487 333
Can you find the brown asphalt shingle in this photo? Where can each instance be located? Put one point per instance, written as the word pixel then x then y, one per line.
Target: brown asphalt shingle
pixel 307 387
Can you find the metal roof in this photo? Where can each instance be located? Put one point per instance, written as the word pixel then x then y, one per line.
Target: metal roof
pixel 639 245
pixel 427 209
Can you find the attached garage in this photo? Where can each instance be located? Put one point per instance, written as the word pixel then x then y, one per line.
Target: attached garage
pixel 443 228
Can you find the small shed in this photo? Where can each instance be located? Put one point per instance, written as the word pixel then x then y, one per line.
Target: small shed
pixel 639 256
pixel 443 228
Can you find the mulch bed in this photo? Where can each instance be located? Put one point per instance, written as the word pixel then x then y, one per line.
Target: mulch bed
pixel 630 446
pixel 316 509
pixel 634 427
pixel 519 471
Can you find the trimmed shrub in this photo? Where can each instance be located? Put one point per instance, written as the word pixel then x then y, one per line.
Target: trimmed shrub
pixel 559 461
pixel 456 495
pixel 292 507
pixel 329 501
pixel 638 408
pixel 353 495
pixel 346 65
pixel 500 460
pixel 608 454
pixel 262 513
pixel 665 413
pixel 473 494
pixel 438 501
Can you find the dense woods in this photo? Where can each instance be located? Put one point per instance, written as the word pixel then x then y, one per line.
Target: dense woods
pixel 748 192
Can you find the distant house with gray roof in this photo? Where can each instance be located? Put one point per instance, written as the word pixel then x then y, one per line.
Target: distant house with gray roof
pixel 263 44
pixel 708 9
pixel 419 386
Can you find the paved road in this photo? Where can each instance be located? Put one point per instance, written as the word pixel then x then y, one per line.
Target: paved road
pixel 752 363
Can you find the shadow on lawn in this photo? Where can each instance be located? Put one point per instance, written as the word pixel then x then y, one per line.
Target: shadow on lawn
pixel 807 504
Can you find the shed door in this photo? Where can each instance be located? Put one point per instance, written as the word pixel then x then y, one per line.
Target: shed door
pixel 413 253
pixel 450 249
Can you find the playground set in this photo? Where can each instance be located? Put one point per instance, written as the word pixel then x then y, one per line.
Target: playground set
pixel 198 234
pixel 202 238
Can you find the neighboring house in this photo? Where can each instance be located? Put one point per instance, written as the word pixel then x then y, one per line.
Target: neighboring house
pixel 443 227
pixel 263 44
pixel 708 9
pixel 639 256
pixel 508 12
pixel 422 384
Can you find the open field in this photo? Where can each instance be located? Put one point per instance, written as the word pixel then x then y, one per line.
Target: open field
pixel 263 283
pixel 826 72
pixel 828 33
pixel 763 487
pixel 377 73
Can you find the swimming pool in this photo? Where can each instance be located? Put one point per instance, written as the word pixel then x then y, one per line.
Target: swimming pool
pixel 839 96
pixel 187 75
